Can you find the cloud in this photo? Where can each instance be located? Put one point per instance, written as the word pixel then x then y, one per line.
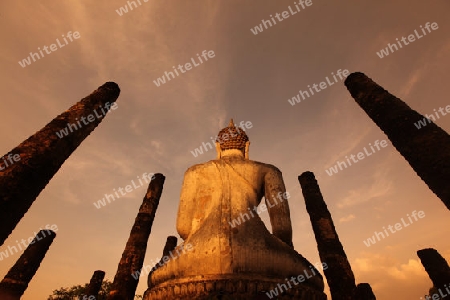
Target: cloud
pixel 411 83
pixel 379 187
pixel 347 218
pixel 404 271
pixel 389 267
pixel 383 271
pixel 352 141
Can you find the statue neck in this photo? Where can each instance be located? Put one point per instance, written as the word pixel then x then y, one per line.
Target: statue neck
pixel 232 152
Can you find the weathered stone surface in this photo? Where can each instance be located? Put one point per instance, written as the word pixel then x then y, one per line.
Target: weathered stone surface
pixel 427 149
pixel 207 288
pixel 339 273
pixel 436 267
pixel 42 154
pixel 124 285
pixel 364 292
pixel 19 276
pixel 95 284
pixel 232 252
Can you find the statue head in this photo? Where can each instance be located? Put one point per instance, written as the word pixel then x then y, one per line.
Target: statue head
pixel 232 137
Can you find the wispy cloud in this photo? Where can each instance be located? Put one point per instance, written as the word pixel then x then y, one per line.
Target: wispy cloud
pixel 378 187
pixel 347 218
pixel 411 83
pixel 382 271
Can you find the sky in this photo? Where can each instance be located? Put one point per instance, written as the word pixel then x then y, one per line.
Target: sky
pixel 248 77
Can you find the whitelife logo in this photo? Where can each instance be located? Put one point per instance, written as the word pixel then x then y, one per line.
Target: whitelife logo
pixel 124 9
pixel 285 14
pixel 225 137
pixel 128 189
pixel 397 226
pixel 441 295
pixel 27 61
pixel 428 118
pixel 411 38
pixel 8 161
pixel 243 217
pixel 5 254
pixel 188 66
pixel 148 268
pixel 356 158
pixel 300 278
pixel 89 119
pixel 318 87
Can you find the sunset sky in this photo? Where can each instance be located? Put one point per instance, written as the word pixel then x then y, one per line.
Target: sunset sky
pixel 251 76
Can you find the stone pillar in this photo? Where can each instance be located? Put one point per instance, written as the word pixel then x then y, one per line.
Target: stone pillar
pixel 124 285
pixel 39 157
pixel 171 244
pixel 19 276
pixel 339 273
pixel 95 284
pixel 436 267
pixel 427 149
pixel 364 292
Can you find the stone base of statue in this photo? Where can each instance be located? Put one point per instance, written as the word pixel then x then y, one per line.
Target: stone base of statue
pixel 233 288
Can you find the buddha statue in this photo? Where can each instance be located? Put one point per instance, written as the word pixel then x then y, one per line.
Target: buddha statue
pixel 232 251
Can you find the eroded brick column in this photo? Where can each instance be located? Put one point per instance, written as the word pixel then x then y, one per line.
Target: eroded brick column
pixel 171 244
pixel 19 276
pixel 364 292
pixel 427 149
pixel 95 284
pixel 39 157
pixel 436 267
pixel 124 284
pixel 339 273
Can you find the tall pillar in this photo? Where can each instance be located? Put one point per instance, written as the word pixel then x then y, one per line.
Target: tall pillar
pixel 436 267
pixel 364 292
pixel 427 149
pixel 124 285
pixel 171 244
pixel 339 273
pixel 19 276
pixel 95 284
pixel 27 169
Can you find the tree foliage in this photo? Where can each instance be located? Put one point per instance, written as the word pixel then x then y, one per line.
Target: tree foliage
pixel 76 292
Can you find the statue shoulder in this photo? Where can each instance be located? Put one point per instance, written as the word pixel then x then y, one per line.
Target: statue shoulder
pixel 267 167
pixel 193 168
pixel 198 167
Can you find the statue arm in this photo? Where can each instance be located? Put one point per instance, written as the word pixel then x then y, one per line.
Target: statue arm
pixel 187 205
pixel 277 206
